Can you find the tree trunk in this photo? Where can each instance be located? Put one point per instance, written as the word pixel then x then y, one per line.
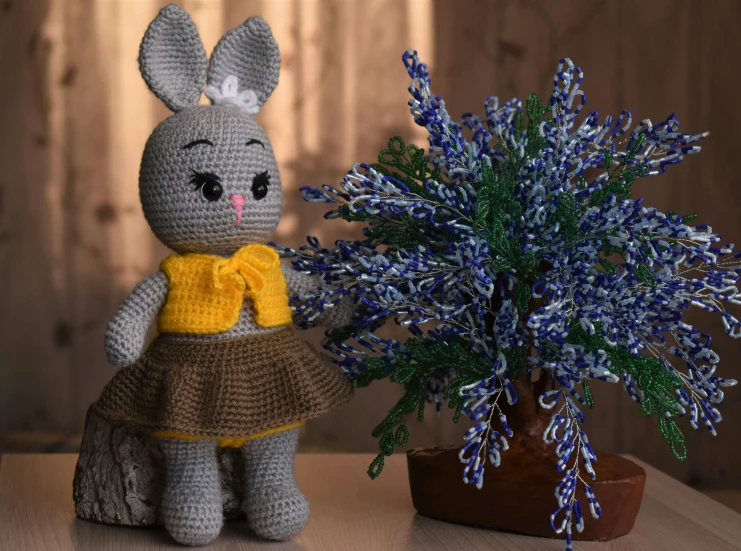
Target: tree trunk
pixel 526 417
pixel 119 476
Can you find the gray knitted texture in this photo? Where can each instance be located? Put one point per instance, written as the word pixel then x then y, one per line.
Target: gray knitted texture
pixel 250 53
pixel 191 501
pixel 177 212
pixel 339 315
pixel 275 507
pixel 224 144
pixel 127 331
pixel 172 59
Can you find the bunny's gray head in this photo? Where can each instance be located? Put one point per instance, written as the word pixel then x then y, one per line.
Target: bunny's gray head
pixel 209 182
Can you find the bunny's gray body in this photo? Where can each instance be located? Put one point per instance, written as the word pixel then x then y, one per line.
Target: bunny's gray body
pixel 209 184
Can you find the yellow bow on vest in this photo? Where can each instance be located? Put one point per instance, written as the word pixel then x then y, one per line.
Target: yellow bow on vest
pixel 205 291
pixel 248 268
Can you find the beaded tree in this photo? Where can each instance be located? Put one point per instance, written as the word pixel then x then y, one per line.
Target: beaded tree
pixel 514 246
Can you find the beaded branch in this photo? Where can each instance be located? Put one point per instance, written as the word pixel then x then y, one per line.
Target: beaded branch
pixel 513 246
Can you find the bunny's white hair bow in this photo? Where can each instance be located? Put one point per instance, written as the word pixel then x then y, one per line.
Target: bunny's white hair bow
pixel 228 94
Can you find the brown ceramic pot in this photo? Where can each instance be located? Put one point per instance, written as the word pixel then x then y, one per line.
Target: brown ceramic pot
pixel 518 496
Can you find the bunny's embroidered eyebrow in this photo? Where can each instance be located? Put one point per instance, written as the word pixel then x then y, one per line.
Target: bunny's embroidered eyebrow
pixel 253 141
pixel 197 142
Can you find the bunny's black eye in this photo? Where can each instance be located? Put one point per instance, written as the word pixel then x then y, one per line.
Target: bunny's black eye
pixel 260 185
pixel 208 184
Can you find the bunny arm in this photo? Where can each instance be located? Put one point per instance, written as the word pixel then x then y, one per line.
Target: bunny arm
pixel 127 331
pixel 298 283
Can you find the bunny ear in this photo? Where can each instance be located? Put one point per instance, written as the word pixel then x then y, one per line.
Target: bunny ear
pixel 248 58
pixel 172 59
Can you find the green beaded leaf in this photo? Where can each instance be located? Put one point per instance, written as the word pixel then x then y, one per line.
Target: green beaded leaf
pixel 566 215
pixel 402 436
pixel 528 263
pixel 457 413
pixel 535 113
pixel 516 360
pixel 566 206
pixel 376 466
pixel 587 394
pixel 608 158
pixel 673 434
pixel 393 418
pixel 407 163
pixel 645 276
pixel 421 364
pixel 483 207
pixel 488 181
pixel 657 383
pixel 518 121
pixel 620 181
pixel 403 372
pixel 387 443
pixel 403 233
pixel 633 151
pixel 522 297
pixel 534 109
pixel 608 266
pixel 495 205
pixel 376 369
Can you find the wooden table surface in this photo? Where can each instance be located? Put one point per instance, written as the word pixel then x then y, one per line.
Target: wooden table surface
pixel 349 512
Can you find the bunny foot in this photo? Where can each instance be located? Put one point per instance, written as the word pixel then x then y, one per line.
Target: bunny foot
pixel 191 501
pixel 275 507
pixel 277 513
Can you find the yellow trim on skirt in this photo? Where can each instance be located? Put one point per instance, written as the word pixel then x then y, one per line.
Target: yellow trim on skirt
pixel 228 442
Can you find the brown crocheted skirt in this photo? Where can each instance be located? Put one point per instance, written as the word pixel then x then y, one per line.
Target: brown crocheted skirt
pixel 234 388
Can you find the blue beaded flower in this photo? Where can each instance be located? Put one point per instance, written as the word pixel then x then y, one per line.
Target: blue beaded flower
pixel 514 245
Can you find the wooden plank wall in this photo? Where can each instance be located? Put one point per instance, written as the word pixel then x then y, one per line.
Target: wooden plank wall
pixel 74 115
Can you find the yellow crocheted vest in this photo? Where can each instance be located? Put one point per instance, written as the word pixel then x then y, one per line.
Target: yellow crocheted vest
pixel 206 291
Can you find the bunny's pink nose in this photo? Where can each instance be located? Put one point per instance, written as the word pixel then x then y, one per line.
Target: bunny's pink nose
pixel 237 204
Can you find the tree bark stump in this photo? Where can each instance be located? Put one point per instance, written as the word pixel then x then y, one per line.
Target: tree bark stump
pixel 120 476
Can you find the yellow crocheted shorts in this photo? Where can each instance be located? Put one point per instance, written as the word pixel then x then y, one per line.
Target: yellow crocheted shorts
pixel 228 442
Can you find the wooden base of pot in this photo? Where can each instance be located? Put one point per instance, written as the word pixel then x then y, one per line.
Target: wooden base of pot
pixel 518 496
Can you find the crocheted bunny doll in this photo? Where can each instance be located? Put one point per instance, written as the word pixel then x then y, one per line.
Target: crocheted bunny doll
pixel 226 368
